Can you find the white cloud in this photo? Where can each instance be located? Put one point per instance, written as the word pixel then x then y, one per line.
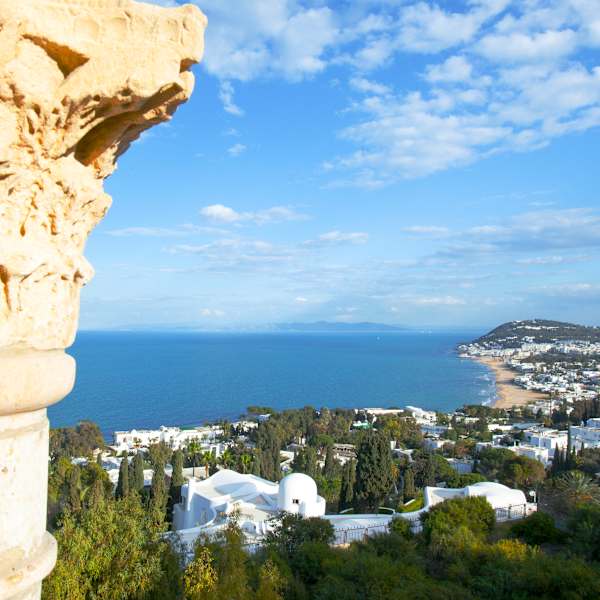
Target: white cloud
pixel 519 47
pixel 369 87
pixel 453 69
pixel 236 150
pixel 334 238
pixel 220 213
pixel 275 214
pixel 226 96
pixel 425 27
pixel 251 38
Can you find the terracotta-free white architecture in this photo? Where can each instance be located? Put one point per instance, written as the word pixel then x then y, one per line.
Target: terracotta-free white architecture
pixel 207 506
pixel 79 81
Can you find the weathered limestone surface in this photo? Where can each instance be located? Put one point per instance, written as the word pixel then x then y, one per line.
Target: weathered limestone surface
pixel 79 81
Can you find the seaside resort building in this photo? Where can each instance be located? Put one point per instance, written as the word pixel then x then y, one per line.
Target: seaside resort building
pixel 207 505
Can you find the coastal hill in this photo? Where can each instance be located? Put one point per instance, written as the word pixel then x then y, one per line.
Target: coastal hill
pixel 335 326
pixel 515 333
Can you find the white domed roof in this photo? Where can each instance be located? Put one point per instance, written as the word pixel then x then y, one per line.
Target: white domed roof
pixel 299 482
pixel 296 489
pixel 498 495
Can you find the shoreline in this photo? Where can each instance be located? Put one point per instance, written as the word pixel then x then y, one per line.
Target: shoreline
pixel 508 393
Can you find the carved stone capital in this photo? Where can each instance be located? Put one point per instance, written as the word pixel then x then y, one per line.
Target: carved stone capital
pixel 79 81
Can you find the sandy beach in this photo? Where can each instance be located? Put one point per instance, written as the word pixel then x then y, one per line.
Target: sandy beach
pixel 508 393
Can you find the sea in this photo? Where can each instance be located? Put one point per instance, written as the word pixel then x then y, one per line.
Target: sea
pixel 128 380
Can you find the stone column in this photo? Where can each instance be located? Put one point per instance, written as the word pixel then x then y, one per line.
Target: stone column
pixel 79 81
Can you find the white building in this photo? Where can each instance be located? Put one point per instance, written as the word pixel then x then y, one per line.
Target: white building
pixel 422 416
pixel 498 495
pixel 174 437
pixel 543 437
pixel 588 437
pixel 206 505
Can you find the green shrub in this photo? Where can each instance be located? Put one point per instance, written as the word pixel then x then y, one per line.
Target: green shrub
pixel 536 529
pixel 401 527
pixel 446 520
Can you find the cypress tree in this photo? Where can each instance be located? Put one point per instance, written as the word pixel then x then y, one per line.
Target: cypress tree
pixel 256 465
pixel 409 483
pixel 158 493
pixel 347 487
pixel 176 478
pixel 330 466
pixel 137 473
pixel 373 471
pixel 75 489
pixel 95 495
pixel 122 490
pixel 401 491
pixel 177 463
pixel 429 474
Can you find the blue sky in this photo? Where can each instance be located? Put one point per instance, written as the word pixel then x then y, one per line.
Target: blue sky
pixel 419 163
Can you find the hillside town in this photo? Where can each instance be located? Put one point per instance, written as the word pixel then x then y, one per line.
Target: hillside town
pixel 275 483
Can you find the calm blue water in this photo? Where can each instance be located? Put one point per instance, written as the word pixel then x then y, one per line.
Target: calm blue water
pixel 138 380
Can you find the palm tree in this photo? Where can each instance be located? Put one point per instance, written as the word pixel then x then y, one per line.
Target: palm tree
pixel 193 449
pixel 227 458
pixel 207 458
pixel 245 462
pixel 576 488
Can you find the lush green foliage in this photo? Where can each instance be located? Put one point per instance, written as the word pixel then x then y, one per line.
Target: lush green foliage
pixel 110 552
pixel 373 472
pixel 458 521
pixel 538 528
pixel 80 440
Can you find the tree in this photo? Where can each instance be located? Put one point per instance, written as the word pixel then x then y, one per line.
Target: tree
pixel 373 472
pixel 95 496
pixel 330 467
pixel 74 500
pixel 159 454
pixel 245 462
pixel 158 495
pixel 293 530
pixel 137 473
pixel 122 490
pixel 256 470
pixel 305 461
pixel 111 552
pixel 176 480
pixel 458 520
pixel 230 564
pixel 429 474
pixel 80 440
pixel 206 458
pixel 577 488
pixel 177 475
pixel 194 450
pixel 409 484
pixel 347 487
pixel 200 576
pixel 270 582
pixel 538 528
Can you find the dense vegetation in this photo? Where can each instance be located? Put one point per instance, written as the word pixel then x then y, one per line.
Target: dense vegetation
pixel 112 543
pixel 510 335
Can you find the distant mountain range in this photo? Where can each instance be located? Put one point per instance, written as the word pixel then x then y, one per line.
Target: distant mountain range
pixel 333 326
pixel 513 334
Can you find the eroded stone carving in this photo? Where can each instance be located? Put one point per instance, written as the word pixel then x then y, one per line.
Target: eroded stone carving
pixel 79 81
